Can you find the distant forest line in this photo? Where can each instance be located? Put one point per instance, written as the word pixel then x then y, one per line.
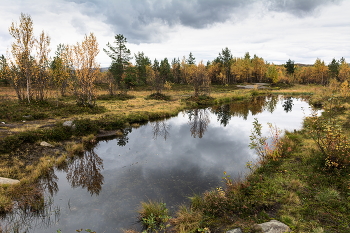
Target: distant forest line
pixel 74 69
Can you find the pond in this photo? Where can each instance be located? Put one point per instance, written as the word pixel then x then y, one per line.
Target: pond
pixel 168 160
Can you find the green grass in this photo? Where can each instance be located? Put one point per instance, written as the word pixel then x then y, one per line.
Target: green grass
pixel 13 111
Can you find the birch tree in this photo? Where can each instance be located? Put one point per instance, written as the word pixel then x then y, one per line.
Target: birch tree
pixel 320 72
pixel 41 72
pixel 86 69
pixel 198 77
pixel 21 50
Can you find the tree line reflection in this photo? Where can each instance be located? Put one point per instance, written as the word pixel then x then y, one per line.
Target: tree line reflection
pixel 198 119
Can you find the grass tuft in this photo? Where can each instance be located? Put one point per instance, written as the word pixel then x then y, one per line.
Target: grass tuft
pixel 154 215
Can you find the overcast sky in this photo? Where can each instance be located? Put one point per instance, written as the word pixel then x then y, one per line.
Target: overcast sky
pixel 276 30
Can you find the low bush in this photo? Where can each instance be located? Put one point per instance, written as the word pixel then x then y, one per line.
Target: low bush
pixel 120 96
pixel 330 139
pixel 84 127
pixel 154 215
pixel 158 96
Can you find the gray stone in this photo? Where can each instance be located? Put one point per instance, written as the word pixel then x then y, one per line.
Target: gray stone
pixel 236 230
pixel 273 226
pixel 45 144
pixel 69 124
pixel 4 180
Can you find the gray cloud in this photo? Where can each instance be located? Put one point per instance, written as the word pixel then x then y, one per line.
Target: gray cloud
pixel 149 21
pixel 299 8
pixel 79 25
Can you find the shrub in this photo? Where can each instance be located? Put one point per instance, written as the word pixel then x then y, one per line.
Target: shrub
pixel 85 126
pixel 266 147
pixel 154 215
pixel 158 96
pixel 187 220
pixel 330 139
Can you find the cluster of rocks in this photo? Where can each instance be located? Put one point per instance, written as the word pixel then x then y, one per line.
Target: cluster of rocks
pixel 273 226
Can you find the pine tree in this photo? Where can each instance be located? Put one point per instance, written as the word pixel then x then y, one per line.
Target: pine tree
pixel 120 56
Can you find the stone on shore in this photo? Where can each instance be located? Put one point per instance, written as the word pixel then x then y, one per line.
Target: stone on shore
pixel 4 180
pixel 45 144
pixel 273 226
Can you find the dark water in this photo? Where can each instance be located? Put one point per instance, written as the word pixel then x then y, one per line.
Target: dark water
pixel 167 160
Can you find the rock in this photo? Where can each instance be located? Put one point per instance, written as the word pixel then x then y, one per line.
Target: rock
pixel 237 230
pixel 69 124
pixel 273 226
pixel 45 144
pixel 4 180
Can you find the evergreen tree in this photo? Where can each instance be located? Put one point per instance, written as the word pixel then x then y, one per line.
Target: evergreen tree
pixel 164 70
pixel 120 56
pixel 290 68
pixel 4 70
pixel 176 70
pixel 155 65
pixel 191 60
pixel 333 68
pixel 142 62
pixel 225 61
pixel 225 57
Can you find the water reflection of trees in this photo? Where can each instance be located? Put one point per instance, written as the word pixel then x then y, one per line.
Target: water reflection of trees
pixel 288 104
pixel 160 128
pixel 198 121
pixel 49 181
pixel 254 106
pixel 123 139
pixel 271 103
pixel 34 207
pixel 85 171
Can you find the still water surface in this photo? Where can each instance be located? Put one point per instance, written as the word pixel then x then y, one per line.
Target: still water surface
pixel 167 160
